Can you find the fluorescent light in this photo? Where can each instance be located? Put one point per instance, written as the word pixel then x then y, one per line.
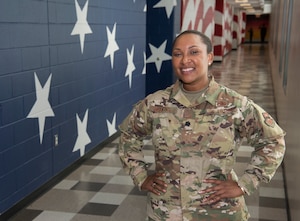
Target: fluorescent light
pixel 245 4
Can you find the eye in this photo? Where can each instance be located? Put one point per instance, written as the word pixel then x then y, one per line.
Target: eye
pixel 194 52
pixel 176 54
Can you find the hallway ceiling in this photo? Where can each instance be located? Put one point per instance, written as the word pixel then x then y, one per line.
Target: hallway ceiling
pixel 253 6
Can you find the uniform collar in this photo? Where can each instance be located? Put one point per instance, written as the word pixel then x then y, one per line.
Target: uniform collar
pixel 210 95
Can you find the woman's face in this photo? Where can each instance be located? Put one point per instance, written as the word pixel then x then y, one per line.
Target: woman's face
pixel 190 61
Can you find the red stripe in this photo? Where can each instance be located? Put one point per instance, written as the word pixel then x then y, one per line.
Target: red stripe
pixel 218 30
pixel 234 34
pixel 220 5
pixel 218 50
pixel 235 18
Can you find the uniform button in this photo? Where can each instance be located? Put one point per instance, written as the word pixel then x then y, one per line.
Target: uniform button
pixel 187 123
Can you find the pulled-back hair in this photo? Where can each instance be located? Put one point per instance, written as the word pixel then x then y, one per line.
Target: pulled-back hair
pixel 202 36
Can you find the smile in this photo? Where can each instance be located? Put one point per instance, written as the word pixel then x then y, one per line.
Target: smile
pixel 185 70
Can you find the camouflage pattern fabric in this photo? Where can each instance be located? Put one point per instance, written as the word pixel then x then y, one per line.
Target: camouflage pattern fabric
pixel 199 141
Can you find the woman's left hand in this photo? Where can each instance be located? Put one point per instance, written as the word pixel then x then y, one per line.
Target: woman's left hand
pixel 221 189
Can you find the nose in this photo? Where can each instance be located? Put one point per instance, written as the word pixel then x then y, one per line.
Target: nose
pixel 185 59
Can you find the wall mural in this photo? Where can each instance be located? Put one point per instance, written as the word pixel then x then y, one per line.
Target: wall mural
pixel 228 21
pixel 198 15
pixel 41 108
pixel 68 77
pixel 81 27
pixel 160 34
pixel 158 55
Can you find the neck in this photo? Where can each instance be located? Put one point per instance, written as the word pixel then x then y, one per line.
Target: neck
pixel 196 86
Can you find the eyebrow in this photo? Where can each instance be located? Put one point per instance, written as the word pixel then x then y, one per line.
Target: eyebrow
pixel 193 46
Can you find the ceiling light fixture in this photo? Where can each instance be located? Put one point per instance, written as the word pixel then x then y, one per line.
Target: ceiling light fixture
pixel 245 4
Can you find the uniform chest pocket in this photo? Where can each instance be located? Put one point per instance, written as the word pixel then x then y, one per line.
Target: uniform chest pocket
pixel 165 129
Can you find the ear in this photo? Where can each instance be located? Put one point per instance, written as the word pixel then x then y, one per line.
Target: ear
pixel 210 57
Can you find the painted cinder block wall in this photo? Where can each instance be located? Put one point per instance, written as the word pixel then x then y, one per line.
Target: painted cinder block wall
pixel 64 82
pixel 223 29
pixel 199 15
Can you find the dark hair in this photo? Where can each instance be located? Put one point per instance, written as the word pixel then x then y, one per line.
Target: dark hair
pixel 202 36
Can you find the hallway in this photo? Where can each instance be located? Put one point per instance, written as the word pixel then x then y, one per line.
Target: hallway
pixel 100 190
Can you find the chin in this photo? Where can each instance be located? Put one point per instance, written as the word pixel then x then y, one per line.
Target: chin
pixel 187 80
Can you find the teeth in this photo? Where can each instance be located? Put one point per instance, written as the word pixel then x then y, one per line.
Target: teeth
pixel 187 69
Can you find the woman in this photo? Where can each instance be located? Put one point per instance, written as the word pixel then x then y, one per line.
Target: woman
pixel 197 127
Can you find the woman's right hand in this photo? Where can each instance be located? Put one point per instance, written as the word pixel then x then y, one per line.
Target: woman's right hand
pixel 154 184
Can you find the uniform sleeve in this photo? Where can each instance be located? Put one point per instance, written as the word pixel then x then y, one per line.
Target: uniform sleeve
pixel 267 138
pixel 133 130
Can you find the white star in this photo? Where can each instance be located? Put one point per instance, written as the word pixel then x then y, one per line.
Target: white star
pixel 83 138
pixel 130 65
pixel 145 8
pixel 158 55
pixel 111 126
pixel 41 109
pixel 81 27
pixel 112 46
pixel 168 4
pixel 144 69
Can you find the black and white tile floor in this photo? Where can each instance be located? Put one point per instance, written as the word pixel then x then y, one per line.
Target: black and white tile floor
pixel 100 190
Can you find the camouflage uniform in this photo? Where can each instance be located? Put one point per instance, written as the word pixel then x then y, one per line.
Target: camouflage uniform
pixel 199 141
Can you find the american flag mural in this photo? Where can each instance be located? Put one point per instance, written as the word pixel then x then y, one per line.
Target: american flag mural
pixel 70 72
pixel 228 21
pixel 223 29
pixel 162 27
pixel 198 15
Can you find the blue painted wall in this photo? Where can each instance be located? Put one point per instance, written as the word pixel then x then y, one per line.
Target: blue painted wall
pixel 36 40
pixel 163 23
pixel 57 80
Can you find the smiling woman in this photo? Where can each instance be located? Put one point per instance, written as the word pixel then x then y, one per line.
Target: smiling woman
pixel 196 127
